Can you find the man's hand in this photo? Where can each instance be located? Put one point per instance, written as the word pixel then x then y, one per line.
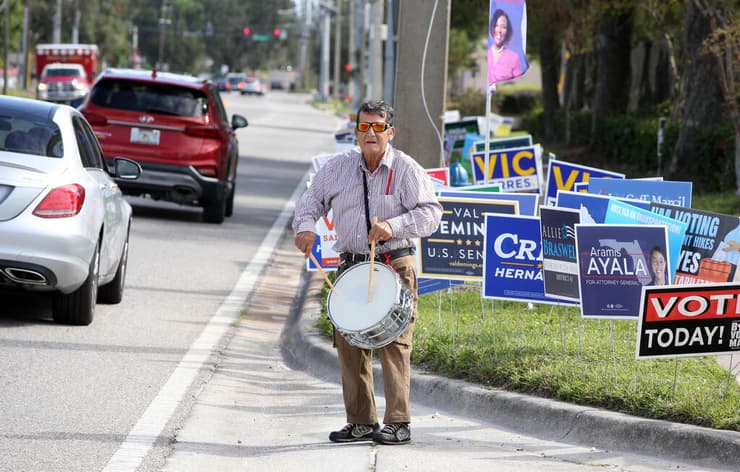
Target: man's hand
pixel 304 242
pixel 380 232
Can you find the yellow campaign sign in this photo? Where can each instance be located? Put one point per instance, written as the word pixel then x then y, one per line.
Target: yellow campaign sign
pixel 505 164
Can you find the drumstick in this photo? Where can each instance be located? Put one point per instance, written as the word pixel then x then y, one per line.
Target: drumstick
pixel 372 263
pixel 326 277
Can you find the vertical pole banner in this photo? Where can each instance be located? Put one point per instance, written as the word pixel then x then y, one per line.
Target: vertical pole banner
pixel 507 40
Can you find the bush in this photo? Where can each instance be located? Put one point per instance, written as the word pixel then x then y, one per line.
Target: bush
pixel 628 144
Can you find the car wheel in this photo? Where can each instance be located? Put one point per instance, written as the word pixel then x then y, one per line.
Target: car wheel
pixel 230 202
pixel 78 307
pixel 112 292
pixel 215 211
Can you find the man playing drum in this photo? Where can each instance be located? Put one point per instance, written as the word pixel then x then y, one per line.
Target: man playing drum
pixel 378 195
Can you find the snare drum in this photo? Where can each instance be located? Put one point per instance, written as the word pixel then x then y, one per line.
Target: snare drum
pixel 375 323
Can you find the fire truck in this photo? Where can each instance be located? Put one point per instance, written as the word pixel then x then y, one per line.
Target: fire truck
pixel 65 72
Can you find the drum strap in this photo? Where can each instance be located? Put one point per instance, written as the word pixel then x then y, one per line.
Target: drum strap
pixel 367 205
pixel 387 255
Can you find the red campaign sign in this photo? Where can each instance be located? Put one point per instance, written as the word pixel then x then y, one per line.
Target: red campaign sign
pixel 689 320
pixel 687 303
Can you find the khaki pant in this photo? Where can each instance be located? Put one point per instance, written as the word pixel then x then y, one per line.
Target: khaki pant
pixel 395 360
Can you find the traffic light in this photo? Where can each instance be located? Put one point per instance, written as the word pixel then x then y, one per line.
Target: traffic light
pixel 276 33
pixel 247 31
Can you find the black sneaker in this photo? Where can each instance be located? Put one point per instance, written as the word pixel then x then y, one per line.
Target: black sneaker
pixel 393 433
pixel 354 432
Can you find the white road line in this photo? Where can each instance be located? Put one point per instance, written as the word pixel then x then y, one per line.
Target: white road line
pixel 141 438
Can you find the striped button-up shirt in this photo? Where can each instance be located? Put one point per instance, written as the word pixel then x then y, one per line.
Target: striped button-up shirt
pixel 399 192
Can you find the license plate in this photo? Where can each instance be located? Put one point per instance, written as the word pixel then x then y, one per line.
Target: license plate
pixel 145 136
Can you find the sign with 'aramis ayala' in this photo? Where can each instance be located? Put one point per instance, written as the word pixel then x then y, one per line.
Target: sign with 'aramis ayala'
pixel 614 263
pixel 455 250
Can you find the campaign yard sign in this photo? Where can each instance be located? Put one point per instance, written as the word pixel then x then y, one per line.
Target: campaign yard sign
pixel 623 213
pixel 689 320
pixel 455 250
pixel 527 201
pixel 711 247
pixel 613 266
pixel 504 143
pixel 323 248
pixel 660 191
pixel 427 285
pixel 559 261
pixel 562 176
pixel 513 170
pixel 513 260
pixel 592 207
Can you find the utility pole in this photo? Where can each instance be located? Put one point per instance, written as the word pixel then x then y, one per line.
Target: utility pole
pixel 76 26
pixel 163 22
pixel 357 52
pixel 5 8
pixel 421 79
pixel 352 88
pixel 375 64
pixel 389 69
pixel 326 11
pixel 337 47
pixel 57 30
pixel 23 76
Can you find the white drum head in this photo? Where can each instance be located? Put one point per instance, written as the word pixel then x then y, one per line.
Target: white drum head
pixel 348 306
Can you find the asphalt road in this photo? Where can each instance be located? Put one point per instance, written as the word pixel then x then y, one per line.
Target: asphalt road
pixel 71 396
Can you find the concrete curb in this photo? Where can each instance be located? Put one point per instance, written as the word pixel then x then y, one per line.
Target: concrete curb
pixel 305 349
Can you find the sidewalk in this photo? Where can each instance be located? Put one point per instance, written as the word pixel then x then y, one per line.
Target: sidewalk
pixel 263 411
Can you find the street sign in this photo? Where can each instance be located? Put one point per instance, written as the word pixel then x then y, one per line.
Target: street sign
pixel 261 37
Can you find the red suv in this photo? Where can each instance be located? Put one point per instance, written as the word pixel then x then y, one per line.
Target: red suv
pixel 176 128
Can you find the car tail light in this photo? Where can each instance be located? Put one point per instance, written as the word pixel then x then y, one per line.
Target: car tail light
pixel 96 120
pixel 212 132
pixel 61 202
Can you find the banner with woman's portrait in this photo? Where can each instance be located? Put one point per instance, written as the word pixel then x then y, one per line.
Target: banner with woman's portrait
pixel 507 40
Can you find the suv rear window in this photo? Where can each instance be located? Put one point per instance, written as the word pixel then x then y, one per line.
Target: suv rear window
pixel 150 98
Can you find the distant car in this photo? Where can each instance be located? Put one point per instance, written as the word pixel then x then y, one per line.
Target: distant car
pixel 237 81
pixel 63 220
pixel 223 85
pixel 276 85
pixel 177 129
pixel 253 86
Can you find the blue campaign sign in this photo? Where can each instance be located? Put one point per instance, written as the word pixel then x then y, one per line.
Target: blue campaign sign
pixel 527 201
pixel 667 192
pixel 559 261
pixel 511 169
pixel 623 213
pixel 562 176
pixel 427 285
pixel 614 264
pixel 592 207
pixel 455 250
pixel 512 264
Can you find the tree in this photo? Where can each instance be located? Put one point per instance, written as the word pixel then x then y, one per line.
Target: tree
pixel 701 89
pixel 613 46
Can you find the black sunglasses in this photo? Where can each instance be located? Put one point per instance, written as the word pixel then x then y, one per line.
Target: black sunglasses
pixel 378 127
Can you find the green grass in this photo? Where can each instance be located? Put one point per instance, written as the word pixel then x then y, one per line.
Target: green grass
pixel 553 352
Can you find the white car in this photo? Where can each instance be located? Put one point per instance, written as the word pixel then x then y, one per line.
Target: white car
pixel 253 86
pixel 64 223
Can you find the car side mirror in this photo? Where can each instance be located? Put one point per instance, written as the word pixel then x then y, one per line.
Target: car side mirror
pixel 127 169
pixel 238 121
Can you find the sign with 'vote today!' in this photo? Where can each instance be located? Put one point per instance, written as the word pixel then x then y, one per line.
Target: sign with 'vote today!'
pixel 689 320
